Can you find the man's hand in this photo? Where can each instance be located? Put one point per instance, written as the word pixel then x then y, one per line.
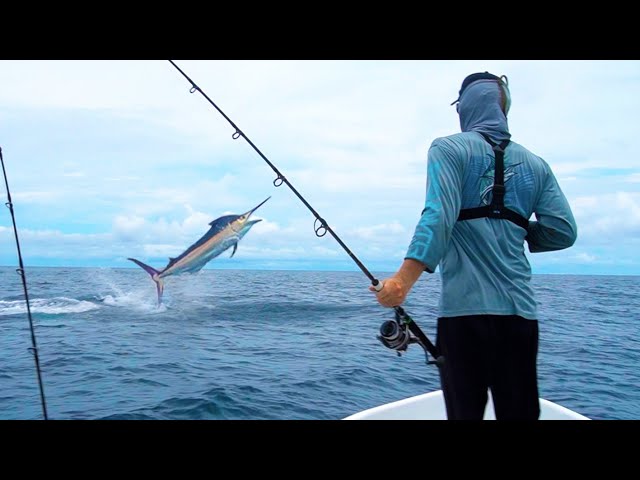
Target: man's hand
pixel 393 292
pixel 396 288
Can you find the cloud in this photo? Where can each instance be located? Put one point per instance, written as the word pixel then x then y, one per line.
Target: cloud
pixel 41 197
pixel 608 217
pixel 377 231
pixel 633 178
pixel 128 228
pixel 265 227
pixel 583 257
pixel 104 162
pixel 138 229
pixel 155 250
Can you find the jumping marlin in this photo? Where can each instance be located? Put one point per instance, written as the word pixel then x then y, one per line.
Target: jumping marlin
pixel 225 232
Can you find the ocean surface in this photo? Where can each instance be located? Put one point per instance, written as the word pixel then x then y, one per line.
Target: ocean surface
pixel 279 345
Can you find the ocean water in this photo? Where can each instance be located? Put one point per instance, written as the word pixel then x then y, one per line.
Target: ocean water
pixel 279 345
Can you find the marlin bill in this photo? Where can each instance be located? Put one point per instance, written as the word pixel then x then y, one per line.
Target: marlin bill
pixel 225 232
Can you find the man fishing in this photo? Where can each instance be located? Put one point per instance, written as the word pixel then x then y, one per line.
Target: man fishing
pixel 481 190
pixel 225 232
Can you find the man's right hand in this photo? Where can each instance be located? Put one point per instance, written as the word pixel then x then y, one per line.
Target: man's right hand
pixel 393 292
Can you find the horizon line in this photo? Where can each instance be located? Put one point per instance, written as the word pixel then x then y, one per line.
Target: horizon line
pixel 307 269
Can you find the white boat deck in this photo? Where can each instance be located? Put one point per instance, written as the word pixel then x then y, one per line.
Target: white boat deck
pixel 430 406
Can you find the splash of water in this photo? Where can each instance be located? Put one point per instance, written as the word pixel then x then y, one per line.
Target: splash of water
pixel 49 306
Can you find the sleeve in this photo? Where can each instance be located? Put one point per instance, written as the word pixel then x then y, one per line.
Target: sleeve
pixel 442 206
pixel 555 228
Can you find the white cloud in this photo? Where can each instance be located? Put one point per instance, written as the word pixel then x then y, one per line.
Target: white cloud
pixel 633 178
pixel 161 250
pixel 140 230
pixel 144 164
pixel 127 228
pixel 583 257
pixel 375 232
pixel 41 197
pixel 265 227
pixel 608 216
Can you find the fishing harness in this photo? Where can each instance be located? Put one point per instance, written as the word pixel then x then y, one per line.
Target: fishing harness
pixel 496 208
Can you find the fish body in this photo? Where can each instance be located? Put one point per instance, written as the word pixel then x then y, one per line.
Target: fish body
pixel 225 232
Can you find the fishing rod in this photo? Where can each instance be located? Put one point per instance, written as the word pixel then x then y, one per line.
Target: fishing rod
pixel 393 333
pixel 34 348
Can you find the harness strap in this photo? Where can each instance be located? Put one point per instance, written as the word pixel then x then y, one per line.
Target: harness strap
pixel 496 209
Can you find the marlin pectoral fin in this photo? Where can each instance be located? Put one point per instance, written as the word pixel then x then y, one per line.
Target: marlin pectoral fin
pixel 235 247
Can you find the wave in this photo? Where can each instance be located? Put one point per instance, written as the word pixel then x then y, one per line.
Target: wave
pixel 49 306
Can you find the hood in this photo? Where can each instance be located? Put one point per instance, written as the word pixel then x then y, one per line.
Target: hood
pixel 479 108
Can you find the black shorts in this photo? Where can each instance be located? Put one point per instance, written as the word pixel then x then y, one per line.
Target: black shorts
pixel 482 352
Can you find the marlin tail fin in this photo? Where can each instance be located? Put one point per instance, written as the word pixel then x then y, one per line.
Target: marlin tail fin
pixel 154 276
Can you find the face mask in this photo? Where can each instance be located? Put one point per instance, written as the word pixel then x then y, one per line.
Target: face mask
pixel 502 81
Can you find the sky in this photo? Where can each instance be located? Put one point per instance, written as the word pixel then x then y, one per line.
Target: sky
pixel 114 159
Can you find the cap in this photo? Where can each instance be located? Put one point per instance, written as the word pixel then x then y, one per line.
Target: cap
pixel 474 77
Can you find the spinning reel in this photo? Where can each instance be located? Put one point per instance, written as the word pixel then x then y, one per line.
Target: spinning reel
pixel 396 335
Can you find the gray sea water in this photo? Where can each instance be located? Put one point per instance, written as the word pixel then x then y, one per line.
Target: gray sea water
pixel 279 345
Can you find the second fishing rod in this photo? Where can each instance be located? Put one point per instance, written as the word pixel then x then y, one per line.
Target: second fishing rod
pixel 393 333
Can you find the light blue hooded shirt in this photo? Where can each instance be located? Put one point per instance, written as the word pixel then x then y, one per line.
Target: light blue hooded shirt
pixel 482 261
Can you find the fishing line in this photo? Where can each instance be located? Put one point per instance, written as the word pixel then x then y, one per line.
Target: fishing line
pixel 403 320
pixel 34 348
